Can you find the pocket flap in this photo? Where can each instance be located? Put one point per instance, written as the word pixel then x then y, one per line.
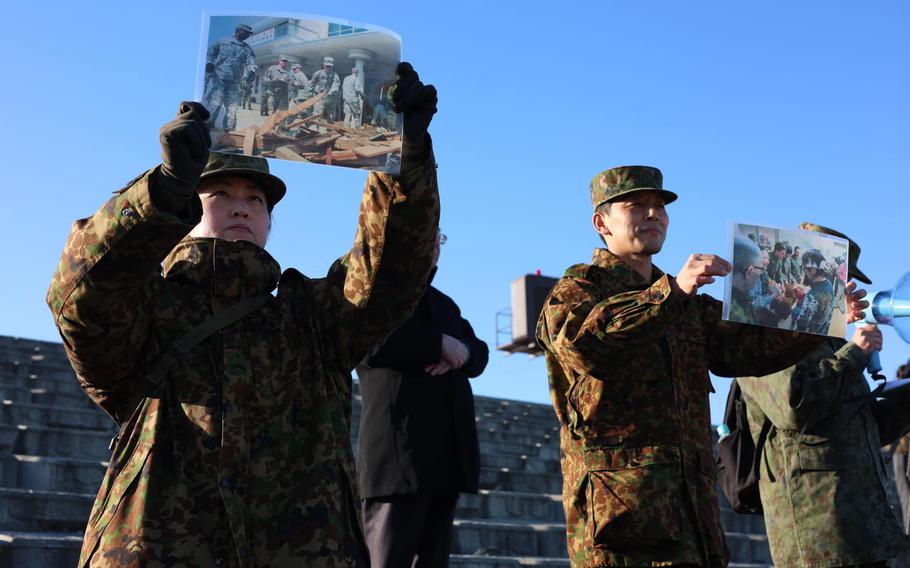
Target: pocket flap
pixel 612 459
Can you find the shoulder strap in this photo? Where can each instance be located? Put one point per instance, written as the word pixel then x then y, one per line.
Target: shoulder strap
pixel 179 347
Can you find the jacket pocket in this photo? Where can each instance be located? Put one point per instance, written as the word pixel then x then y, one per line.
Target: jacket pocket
pixel 632 496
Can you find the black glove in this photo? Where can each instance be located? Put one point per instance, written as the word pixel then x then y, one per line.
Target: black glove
pixel 416 100
pixel 209 67
pixel 185 145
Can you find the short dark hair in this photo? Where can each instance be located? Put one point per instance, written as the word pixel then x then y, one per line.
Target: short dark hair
pixel 779 246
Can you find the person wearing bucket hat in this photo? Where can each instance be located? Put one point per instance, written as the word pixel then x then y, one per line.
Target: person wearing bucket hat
pixel 628 351
pixel 821 479
pixel 229 63
pixel 230 379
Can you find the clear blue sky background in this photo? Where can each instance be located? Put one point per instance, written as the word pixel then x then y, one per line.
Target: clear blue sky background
pixel 765 112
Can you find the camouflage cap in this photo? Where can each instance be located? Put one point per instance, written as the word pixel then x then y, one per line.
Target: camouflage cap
pixel 327 60
pixel 244 27
pixel 296 66
pixel 282 58
pixel 853 253
pixel 256 169
pixel 610 184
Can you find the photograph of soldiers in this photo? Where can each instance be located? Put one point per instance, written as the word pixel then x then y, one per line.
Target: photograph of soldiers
pixel 628 349
pixel 418 413
pixel 352 95
pixel 229 62
pixel 326 81
pixel 812 300
pixel 307 112
pixel 234 448
pixel 277 80
pixel 900 463
pixel 822 478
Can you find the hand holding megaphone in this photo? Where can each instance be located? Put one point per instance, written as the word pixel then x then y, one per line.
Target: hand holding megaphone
pixel 890 307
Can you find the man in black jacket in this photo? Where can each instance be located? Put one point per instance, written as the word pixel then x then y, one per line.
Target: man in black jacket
pixel 418 446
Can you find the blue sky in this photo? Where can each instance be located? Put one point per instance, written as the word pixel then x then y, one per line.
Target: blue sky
pixel 762 112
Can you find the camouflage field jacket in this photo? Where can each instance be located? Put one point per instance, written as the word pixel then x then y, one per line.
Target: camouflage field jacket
pixel 822 478
pixel 628 362
pixel 243 457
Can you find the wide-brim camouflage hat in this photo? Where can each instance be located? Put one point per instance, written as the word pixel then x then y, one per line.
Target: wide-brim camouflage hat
pixel 853 252
pixel 250 167
pixel 616 182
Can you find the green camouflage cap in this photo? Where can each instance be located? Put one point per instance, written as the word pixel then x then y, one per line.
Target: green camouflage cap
pixel 245 28
pixel 612 183
pixel 256 169
pixel 282 58
pixel 853 253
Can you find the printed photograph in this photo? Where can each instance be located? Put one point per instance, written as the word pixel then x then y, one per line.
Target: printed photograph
pixel 302 89
pixel 787 279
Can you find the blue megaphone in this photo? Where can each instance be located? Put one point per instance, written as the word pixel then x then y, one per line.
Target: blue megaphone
pixel 891 307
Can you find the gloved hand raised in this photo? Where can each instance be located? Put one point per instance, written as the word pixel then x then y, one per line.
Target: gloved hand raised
pixel 416 100
pixel 185 145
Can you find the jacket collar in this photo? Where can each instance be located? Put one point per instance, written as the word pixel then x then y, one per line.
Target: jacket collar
pixel 622 271
pixel 230 269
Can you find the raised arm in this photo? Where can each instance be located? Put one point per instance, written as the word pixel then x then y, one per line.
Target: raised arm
pixel 376 286
pixel 103 291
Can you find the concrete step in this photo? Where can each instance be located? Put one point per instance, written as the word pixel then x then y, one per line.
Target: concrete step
pixel 537 450
pixel 51 474
pixel 501 538
pixel 511 506
pixel 27 549
pixel 734 522
pixel 16 413
pixel 45 511
pixel 47 396
pixel 506 480
pixel 472 561
pixel 748 548
pixel 513 462
pixel 56 442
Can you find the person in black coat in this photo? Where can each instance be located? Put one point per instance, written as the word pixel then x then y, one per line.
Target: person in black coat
pixel 417 446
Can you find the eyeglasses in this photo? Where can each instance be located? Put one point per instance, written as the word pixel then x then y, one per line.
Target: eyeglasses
pixel 442 238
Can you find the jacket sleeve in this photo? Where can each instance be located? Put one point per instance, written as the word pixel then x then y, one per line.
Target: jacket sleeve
pixel 479 352
pixel 736 349
pixel 585 334
pixel 800 396
pixel 104 289
pixel 371 290
pixel 412 346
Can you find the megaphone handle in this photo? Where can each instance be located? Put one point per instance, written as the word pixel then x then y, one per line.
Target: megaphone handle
pixel 874 365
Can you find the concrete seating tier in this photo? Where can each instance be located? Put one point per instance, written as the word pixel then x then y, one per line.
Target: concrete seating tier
pixel 54 447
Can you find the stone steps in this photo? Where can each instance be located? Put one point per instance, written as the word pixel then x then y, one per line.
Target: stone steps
pixel 20 413
pixel 56 442
pixel 49 511
pixel 504 538
pixel 43 473
pixel 29 549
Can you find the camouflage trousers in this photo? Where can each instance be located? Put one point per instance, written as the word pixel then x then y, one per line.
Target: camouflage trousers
pixel 327 107
pixel 353 111
pixel 275 100
pixel 223 98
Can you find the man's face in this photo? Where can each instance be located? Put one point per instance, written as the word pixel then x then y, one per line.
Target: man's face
pixel 241 34
pixel 796 252
pixel 234 208
pixel 764 259
pixel 282 64
pixel 780 254
pixel 328 68
pixel 636 224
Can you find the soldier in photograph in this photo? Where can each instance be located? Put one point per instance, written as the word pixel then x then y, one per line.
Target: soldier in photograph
pixel 326 81
pixel 776 270
pixel 813 313
pixel 628 351
pixel 822 478
pixel 747 270
pixel 246 94
pixel 230 379
pixel 300 89
pixel 352 95
pixel 229 61
pixel 277 82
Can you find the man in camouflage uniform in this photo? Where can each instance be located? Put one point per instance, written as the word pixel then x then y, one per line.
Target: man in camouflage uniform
pixel 822 478
pixel 229 61
pixel 747 269
pixel 246 94
pixel 277 81
pixel 352 94
pixel 776 269
pixel 327 81
pixel 300 86
pixel 813 313
pixel 241 455
pixel 795 263
pixel 628 351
